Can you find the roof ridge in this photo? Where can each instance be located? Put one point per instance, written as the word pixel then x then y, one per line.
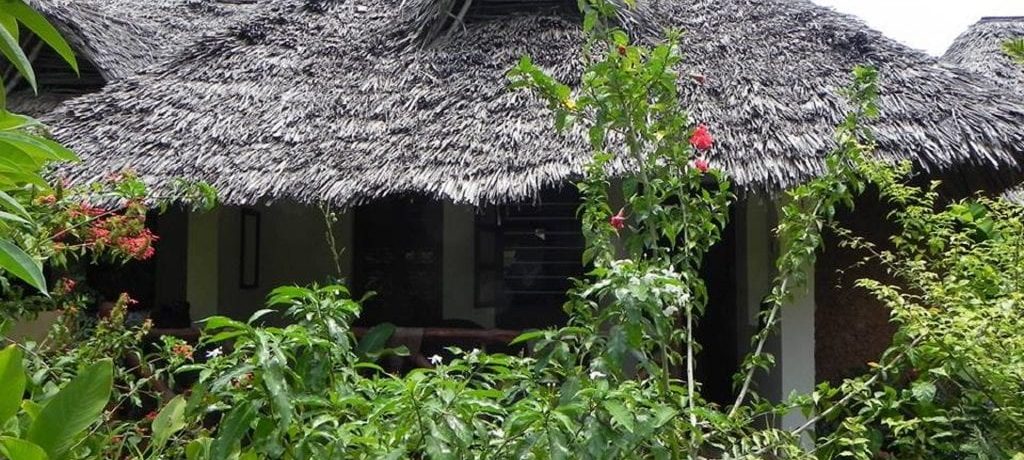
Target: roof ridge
pixel 988 19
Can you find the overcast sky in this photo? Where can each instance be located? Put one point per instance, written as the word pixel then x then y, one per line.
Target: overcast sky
pixel 930 25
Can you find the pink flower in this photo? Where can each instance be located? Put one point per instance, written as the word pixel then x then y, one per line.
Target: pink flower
pixel 701 164
pixel 618 221
pixel 701 138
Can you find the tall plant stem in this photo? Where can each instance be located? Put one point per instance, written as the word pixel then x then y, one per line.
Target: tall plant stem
pixel 769 323
pixel 690 385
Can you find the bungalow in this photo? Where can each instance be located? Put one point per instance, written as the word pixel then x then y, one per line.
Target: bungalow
pixel 452 193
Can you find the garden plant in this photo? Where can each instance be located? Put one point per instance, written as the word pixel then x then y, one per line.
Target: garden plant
pixel 617 381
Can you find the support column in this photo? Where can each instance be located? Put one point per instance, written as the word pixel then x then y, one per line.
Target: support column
pixel 203 276
pixel 796 361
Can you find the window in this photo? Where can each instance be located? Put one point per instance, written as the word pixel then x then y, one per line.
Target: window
pixel 525 257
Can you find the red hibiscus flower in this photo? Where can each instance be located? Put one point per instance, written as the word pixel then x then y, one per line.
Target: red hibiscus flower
pixel 701 138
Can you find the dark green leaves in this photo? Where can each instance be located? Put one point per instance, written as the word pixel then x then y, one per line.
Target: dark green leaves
pixel 231 430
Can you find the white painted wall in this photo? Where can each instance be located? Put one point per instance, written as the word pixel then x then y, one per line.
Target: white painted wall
pixel 293 250
pixel 459 265
pixel 202 280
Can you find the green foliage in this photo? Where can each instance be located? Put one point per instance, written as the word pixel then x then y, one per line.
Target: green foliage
pixel 1015 49
pixel 52 427
pixel 24 152
pixel 952 384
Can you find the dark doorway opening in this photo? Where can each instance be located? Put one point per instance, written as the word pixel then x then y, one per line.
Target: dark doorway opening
pixel 399 258
pixel 716 331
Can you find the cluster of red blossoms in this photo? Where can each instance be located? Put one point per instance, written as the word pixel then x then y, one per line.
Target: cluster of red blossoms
pixel 124 233
pixel 183 350
pixel 701 140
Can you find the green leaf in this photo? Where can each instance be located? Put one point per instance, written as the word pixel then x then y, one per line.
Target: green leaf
pixel 198 449
pixel 12 382
pixel 10 48
pixel 526 337
pixel 20 449
pixel 11 24
pixel 620 414
pixel 11 204
pixel 43 29
pixel 923 391
pixel 39 148
pixel 231 430
pixel 16 262
pixel 73 409
pixel 375 339
pixel 170 420
pixel 4 215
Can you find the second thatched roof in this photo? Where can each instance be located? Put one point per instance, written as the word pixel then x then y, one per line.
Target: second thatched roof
pixel 980 49
pixel 345 102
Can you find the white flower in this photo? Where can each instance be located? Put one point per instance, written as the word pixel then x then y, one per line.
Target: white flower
pixel 436 359
pixel 594 375
pixel 671 310
pixel 214 353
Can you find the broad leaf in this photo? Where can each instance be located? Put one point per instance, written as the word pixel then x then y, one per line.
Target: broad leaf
pixel 10 48
pixel 170 420
pixel 12 382
pixel 16 262
pixel 73 409
pixel 9 203
pixel 41 149
pixel 231 430
pixel 43 29
pixel 20 449
pixel 375 339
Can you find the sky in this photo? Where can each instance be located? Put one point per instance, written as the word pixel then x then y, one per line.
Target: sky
pixel 930 25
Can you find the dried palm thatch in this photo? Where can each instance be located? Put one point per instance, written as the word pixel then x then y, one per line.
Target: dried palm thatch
pixel 980 49
pixel 120 37
pixel 346 102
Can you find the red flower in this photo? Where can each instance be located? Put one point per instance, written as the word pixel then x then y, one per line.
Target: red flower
pixel 618 221
pixel 701 164
pixel 701 138
pixel 98 233
pixel 622 50
pixel 65 286
pixel 151 416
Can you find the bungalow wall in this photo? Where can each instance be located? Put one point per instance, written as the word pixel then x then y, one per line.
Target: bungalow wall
pixel 293 250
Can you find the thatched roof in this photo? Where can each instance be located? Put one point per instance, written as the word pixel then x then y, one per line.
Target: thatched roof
pixel 980 49
pixel 350 101
pixel 121 37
